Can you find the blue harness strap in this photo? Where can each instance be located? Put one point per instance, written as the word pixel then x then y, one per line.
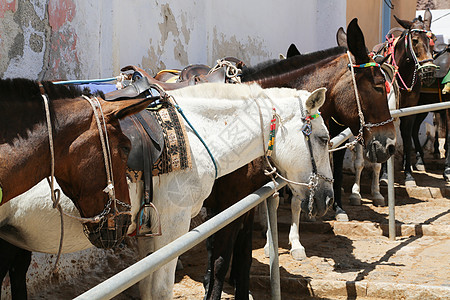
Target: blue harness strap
pixel 198 135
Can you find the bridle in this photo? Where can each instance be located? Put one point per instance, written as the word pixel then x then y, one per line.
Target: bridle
pixel 306 129
pixel 109 189
pixel 418 65
pixel 113 202
pixel 362 123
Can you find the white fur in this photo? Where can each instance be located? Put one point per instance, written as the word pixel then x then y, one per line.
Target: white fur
pixel 228 119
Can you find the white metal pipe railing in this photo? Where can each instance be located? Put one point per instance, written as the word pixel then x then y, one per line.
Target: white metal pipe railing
pixel 344 135
pixel 126 278
pixel 138 271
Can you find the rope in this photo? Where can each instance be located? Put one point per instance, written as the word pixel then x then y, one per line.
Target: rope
pixel 232 72
pixel 87 80
pixel 51 182
pixel 196 133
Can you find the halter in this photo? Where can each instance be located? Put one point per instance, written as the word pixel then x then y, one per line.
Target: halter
pixel 307 130
pixel 108 165
pixel 408 46
pixel 362 122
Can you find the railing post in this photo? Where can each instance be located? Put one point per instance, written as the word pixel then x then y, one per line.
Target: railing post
pixel 391 197
pixel 272 205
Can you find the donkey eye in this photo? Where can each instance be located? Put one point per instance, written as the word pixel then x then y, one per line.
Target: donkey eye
pixel 323 139
pixel 379 88
pixel 415 41
pixel 126 149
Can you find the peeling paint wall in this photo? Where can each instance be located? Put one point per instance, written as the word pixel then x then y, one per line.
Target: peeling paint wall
pixel 77 39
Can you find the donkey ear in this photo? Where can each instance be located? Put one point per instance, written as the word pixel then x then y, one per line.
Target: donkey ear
pixel 427 19
pixel 316 100
pixel 404 23
pixel 123 108
pixel 384 59
pixel 292 51
pixel 341 38
pixel 356 43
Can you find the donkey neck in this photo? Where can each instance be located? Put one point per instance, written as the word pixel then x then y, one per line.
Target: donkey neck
pixel 234 129
pixel 26 158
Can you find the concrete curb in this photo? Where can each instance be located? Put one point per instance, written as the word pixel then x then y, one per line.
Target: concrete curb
pixel 354 289
pixel 353 228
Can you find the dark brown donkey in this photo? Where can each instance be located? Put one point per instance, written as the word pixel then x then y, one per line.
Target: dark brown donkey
pixel 328 68
pixel 412 55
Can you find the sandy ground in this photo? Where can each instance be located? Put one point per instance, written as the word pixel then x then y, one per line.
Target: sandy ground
pixel 359 252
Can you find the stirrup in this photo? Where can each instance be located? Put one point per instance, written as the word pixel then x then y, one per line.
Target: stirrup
pixel 139 221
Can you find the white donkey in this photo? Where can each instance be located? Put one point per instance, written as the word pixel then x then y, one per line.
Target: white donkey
pixel 233 121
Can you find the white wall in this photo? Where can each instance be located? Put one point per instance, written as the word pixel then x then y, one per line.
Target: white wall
pixel 89 39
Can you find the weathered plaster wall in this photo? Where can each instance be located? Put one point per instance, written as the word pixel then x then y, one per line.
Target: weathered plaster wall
pixel 69 39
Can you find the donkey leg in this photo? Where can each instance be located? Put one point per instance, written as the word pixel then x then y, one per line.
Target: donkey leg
pixel 208 279
pixel 297 249
pixel 355 197
pixel 7 252
pixel 338 160
pixel 406 124
pixel 242 259
pixel 159 285
pixel 221 250
pixel 447 147
pixel 420 166
pixel 383 174
pixel 16 261
pixel 266 246
pixel 18 274
pixel 377 198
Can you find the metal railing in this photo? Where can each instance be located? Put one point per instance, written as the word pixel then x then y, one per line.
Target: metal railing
pixel 138 271
pixel 344 135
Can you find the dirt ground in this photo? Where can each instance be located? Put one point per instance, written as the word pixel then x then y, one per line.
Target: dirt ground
pixel 350 253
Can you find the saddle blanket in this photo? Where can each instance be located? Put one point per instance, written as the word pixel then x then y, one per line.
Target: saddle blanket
pixel 176 154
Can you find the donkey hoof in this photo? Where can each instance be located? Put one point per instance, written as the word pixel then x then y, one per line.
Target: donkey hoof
pixel 384 179
pixel 447 174
pixel 341 215
pixel 355 199
pixel 420 167
pixel 377 196
pixel 379 202
pixel 410 183
pixel 298 254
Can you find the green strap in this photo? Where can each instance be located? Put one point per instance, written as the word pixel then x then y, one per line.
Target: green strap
pixel 446 78
pixel 1 195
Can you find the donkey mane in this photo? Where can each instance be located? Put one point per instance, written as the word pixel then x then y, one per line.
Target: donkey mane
pixel 22 106
pixel 279 67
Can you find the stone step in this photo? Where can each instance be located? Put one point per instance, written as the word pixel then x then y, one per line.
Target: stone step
pixel 355 228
